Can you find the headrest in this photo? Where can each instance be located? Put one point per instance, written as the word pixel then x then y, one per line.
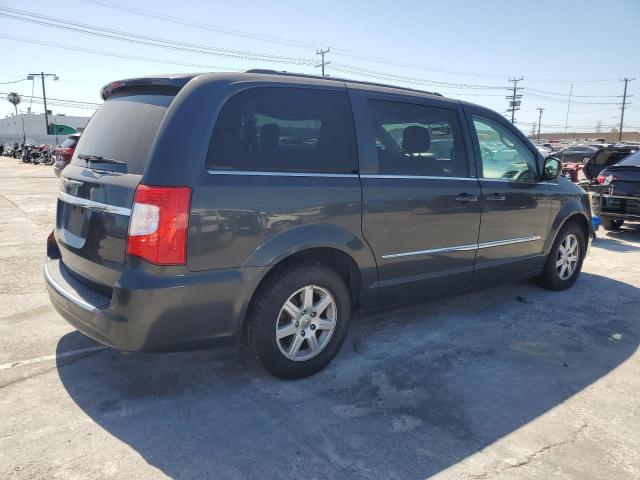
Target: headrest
pixel 270 135
pixel 416 139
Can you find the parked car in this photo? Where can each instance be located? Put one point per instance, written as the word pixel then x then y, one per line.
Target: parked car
pixel 622 202
pixel 544 151
pixel 64 152
pixel 603 158
pixel 155 249
pixel 573 159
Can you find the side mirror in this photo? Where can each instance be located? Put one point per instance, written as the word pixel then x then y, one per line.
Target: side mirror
pixel 585 159
pixel 552 168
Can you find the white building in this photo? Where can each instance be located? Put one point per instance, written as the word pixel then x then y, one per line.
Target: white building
pixel 31 127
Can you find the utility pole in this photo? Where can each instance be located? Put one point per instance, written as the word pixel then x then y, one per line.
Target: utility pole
pixel 624 105
pixel 514 98
pixel 42 75
pixel 539 120
pixel 322 53
pixel 566 118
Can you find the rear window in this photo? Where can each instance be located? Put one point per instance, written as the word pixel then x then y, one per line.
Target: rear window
pixel 610 157
pixel 123 129
pixel 69 142
pixel 631 161
pixel 285 130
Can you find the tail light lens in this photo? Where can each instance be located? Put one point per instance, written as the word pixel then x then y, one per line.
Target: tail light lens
pixel 66 153
pixel 159 223
pixel 606 180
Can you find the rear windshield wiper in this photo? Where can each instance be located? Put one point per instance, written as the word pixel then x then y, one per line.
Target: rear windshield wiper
pixel 98 158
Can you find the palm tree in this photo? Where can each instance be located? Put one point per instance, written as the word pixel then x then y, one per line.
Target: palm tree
pixel 15 99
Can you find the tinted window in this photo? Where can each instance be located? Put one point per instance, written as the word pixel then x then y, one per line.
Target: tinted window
pixel 123 129
pixel 417 140
pixel 610 157
pixel 285 130
pixel 503 154
pixel 69 142
pixel 633 160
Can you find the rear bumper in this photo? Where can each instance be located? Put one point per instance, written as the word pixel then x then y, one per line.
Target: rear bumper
pixel 621 207
pixel 148 312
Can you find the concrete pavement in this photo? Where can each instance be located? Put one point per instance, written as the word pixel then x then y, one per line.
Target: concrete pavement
pixel 511 382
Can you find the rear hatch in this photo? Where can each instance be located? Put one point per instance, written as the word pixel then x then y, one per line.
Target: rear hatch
pixel 625 186
pixel 97 189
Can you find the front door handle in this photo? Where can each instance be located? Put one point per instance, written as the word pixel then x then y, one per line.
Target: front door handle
pixel 465 197
pixel 496 197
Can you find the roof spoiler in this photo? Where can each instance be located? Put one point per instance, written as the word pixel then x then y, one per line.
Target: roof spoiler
pixel 167 85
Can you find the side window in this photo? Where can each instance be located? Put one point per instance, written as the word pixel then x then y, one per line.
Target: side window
pixel 417 140
pixel 504 155
pixel 285 130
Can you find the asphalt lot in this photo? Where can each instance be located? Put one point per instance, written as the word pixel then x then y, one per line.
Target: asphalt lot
pixel 511 382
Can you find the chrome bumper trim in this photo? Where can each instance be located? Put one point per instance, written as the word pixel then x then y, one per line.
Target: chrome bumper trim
pixel 85 203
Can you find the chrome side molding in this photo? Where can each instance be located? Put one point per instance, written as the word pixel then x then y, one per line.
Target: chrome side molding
pixel 464 248
pixel 498 243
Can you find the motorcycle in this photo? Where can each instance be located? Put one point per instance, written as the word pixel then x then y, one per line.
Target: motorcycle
pixel 43 154
pixel 27 153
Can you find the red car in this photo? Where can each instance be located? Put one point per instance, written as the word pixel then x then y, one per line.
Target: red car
pixel 64 152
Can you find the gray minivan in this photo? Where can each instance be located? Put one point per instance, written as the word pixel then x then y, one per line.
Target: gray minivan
pixel 268 207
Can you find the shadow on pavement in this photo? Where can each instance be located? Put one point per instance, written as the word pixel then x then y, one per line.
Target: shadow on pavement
pixel 612 242
pixel 411 393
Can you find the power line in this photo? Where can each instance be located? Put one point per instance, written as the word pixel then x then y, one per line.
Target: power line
pixel 562 100
pixel 14 81
pixel 300 44
pixel 401 78
pixel 94 30
pixel 201 25
pixel 111 54
pixel 91 104
pixel 565 95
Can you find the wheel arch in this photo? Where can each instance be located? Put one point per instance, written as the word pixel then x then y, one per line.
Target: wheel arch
pixel 349 256
pixel 571 212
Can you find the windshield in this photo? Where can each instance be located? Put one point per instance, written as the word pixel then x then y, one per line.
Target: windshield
pixel 122 129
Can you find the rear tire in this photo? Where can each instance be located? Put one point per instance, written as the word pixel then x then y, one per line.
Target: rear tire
pixel 298 320
pixel 564 262
pixel 611 224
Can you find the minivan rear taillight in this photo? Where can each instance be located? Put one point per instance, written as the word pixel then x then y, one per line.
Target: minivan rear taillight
pixel 65 153
pixel 159 222
pixel 606 180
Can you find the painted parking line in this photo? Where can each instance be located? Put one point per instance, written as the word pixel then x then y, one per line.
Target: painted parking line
pixel 70 353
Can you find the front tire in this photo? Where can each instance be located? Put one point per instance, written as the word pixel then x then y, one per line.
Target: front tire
pixel 298 320
pixel 611 224
pixel 564 262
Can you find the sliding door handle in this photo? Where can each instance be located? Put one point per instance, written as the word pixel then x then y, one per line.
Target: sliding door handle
pixel 496 197
pixel 465 197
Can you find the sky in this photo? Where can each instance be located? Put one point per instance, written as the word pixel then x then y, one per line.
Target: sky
pixel 462 49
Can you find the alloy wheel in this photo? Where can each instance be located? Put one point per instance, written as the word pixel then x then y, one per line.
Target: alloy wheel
pixel 306 323
pixel 568 257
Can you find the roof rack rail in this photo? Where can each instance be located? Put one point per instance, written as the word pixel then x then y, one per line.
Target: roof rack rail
pixel 267 71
